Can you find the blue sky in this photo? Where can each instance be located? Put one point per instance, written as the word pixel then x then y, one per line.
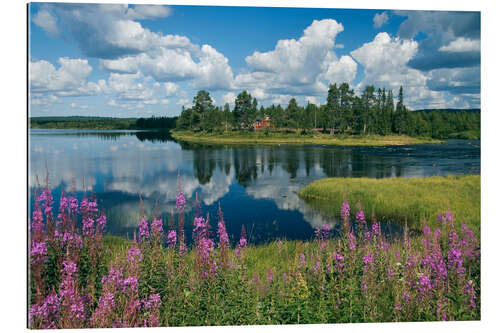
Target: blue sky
pixel 144 60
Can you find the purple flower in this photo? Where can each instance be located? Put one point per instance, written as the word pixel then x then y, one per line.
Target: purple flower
pixel 134 255
pixel 38 252
pixel 243 237
pixel 471 295
pixel 360 217
pixel 101 220
pixel 427 230
pixel 455 261
pixel 424 285
pixel 367 262
pixel 345 210
pixel 180 202
pixel 368 259
pixel 302 260
pixel 37 222
pixel 376 229
pixel 223 237
pixel 88 226
pixel 143 229
pixel 157 228
pixel 73 204
pixel 130 284
pixel 92 206
pixel 200 228
pixel 171 238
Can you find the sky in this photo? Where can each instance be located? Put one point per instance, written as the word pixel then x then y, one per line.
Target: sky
pixel 144 60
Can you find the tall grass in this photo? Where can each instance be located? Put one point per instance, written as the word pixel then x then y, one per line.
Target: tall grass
pixel 78 278
pixel 415 200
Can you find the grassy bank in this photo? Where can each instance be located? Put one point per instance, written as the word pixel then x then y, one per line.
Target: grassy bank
pixel 397 199
pixel 263 137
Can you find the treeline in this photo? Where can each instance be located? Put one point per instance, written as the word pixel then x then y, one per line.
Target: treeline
pixel 374 112
pixel 156 123
pixel 98 123
pixel 103 123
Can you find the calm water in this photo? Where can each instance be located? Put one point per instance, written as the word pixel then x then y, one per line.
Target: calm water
pixel 255 185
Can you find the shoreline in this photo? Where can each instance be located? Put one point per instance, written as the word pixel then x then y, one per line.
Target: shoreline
pixel 297 139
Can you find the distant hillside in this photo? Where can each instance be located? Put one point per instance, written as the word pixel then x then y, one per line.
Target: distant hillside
pixel 105 123
pixel 449 110
pixel 74 118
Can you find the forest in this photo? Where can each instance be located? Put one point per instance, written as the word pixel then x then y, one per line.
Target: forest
pixel 374 112
pixel 104 123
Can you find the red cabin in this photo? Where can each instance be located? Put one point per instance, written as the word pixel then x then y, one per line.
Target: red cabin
pixel 266 122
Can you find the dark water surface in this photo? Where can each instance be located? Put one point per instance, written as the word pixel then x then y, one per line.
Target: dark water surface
pixel 255 185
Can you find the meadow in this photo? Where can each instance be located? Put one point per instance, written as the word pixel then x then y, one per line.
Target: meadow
pixel 80 277
pixel 416 201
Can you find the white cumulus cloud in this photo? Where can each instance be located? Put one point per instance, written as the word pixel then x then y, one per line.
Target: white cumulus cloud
pixel 301 66
pixel 385 61
pixel 462 44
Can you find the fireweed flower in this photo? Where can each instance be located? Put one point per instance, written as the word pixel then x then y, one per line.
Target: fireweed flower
pixel 92 206
pixel 45 315
pixel 71 302
pixel 101 221
pixel 171 238
pixel 134 255
pixel 87 226
pixel 47 201
pixel 376 229
pixel 455 261
pixel 424 286
pixel 84 206
pixel 205 251
pixel 243 238
pixel 345 210
pixel 157 228
pixel 180 202
pixel 143 230
pixel 367 261
pixel 339 262
pixel 469 244
pixel 38 252
pixel 360 218
pixel 223 237
pixel 471 294
pixel 427 230
pixel 153 305
pixel 130 284
pixel 73 204
pixel 200 228
pixel 105 310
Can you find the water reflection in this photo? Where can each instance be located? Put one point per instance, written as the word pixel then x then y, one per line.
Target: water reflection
pixel 256 186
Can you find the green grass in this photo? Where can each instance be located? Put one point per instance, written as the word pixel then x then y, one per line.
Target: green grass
pixel 397 199
pixel 273 137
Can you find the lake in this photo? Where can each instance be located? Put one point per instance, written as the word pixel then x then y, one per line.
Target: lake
pixel 255 185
